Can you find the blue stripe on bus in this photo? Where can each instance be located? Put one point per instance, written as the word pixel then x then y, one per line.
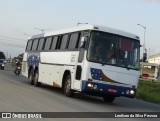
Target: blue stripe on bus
pixel 100 89
pixel 33 59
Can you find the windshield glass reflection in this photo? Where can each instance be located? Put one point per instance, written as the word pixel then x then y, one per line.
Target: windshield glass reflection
pixel 111 49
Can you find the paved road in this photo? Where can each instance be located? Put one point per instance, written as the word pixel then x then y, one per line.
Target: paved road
pixel 17 95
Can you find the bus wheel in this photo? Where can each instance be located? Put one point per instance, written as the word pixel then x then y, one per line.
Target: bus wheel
pixel 108 99
pixel 31 77
pixel 67 87
pixel 36 83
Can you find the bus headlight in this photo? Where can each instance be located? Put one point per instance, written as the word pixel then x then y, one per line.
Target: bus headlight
pixel 132 92
pixel 90 85
pixel 2 64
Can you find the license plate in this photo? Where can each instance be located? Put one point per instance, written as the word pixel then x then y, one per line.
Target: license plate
pixel 112 90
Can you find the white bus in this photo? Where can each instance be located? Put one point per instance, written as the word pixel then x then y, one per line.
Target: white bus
pixel 88 59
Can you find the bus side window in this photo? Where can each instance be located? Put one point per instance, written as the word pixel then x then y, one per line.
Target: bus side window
pixel 48 43
pixel 82 34
pixel 41 43
pixel 78 41
pixel 58 45
pixel 64 41
pixel 54 43
pixel 74 40
pixel 35 44
pixel 29 45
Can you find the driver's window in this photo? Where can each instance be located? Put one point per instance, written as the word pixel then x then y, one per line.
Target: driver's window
pixel 126 47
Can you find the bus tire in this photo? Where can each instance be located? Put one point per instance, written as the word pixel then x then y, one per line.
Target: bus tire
pixel 36 76
pixel 31 77
pixel 108 99
pixel 67 87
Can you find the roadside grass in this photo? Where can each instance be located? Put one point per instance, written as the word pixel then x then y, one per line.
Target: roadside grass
pixel 148 90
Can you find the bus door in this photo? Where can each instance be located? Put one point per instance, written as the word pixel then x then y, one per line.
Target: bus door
pixel 80 62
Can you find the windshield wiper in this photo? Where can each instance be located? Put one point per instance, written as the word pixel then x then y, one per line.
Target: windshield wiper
pixel 127 66
pixel 103 63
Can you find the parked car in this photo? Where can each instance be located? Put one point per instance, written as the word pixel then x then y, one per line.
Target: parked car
pixel 4 61
pixel 2 64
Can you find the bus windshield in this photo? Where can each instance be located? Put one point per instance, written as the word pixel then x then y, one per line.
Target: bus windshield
pixel 106 48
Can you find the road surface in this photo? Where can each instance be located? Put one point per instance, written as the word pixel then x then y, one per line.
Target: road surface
pixel 17 95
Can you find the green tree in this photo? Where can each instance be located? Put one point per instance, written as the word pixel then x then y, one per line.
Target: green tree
pixel 2 56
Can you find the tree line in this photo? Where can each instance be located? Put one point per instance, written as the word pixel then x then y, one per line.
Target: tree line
pixel 2 55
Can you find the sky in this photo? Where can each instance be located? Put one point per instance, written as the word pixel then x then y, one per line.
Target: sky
pixel 19 18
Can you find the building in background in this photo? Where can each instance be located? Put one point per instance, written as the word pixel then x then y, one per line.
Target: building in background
pixel 154 58
pixel 152 68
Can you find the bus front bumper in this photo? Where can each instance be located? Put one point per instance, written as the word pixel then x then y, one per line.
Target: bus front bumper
pixel 101 89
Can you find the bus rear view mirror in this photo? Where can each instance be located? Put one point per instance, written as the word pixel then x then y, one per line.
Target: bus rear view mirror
pixel 83 42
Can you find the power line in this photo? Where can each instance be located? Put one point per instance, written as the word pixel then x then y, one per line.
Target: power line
pixel 13 44
pixel 42 30
pixel 5 40
pixel 153 45
pixel 12 38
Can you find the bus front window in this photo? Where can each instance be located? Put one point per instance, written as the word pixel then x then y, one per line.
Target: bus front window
pixel 111 49
pixel 128 53
pixel 102 48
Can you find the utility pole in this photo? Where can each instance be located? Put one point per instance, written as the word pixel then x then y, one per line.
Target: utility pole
pixel 144 47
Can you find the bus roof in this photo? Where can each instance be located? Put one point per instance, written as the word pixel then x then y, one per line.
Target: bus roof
pixel 36 36
pixel 92 27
